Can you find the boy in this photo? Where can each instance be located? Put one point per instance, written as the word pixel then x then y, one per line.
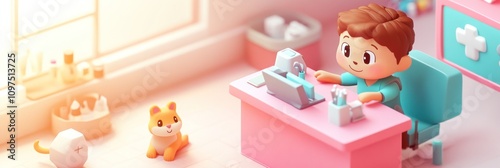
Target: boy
pixel 374 43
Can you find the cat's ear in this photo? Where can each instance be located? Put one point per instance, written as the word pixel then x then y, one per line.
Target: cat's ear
pixel 153 110
pixel 171 106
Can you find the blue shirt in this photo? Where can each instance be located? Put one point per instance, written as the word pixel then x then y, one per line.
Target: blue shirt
pixel 390 88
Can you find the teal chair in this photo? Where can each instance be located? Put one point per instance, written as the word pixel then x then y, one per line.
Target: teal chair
pixel 431 94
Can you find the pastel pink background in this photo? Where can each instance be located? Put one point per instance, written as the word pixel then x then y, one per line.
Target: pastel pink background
pixel 200 66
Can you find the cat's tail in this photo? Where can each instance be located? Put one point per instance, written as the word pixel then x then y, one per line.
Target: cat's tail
pixel 40 149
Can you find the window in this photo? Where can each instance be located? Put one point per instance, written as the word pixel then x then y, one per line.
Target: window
pixel 123 24
pixel 47 28
pixel 6 39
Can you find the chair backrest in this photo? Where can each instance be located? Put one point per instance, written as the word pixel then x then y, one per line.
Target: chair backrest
pixel 432 90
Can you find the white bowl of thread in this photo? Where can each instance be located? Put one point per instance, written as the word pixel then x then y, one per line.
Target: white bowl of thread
pixel 88 114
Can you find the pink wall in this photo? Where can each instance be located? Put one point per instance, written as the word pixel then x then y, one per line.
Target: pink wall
pixel 244 10
pixel 235 13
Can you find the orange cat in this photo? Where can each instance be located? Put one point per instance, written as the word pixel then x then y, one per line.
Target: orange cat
pixel 165 125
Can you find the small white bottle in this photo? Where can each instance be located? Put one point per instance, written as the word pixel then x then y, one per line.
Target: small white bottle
pixel 274 26
pixel 295 30
pixel 53 69
pixel 101 104
pixel 68 72
pixel 39 62
pixel 75 113
pixel 98 69
pixel 83 69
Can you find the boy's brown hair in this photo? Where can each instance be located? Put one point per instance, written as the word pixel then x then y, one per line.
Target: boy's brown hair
pixel 388 27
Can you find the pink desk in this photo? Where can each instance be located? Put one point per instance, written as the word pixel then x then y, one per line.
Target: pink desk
pixel 275 134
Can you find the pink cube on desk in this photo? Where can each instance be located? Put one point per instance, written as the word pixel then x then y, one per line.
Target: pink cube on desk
pixel 472 42
pixel 276 134
pixel 261 49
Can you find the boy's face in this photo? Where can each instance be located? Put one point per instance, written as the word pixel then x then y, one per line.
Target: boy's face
pixel 365 58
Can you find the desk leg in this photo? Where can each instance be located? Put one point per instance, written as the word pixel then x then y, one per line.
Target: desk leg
pixel 273 143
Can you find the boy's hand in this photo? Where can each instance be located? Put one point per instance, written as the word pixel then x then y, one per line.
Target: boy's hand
pixel 369 96
pixel 327 77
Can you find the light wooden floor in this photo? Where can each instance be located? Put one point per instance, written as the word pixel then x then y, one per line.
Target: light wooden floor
pixel 211 117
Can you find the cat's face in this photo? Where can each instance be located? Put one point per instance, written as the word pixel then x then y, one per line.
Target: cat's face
pixel 164 122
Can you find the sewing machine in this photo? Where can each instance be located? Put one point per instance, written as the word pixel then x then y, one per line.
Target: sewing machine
pixel 286 80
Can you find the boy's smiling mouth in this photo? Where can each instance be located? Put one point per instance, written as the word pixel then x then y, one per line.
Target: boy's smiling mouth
pixel 354 69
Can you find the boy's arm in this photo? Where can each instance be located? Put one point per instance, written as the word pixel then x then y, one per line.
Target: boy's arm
pixel 346 79
pixel 387 93
pixel 327 77
pixel 366 97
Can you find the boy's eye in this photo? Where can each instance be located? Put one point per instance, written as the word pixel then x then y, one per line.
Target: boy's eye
pixel 175 119
pixel 159 123
pixel 368 57
pixel 346 49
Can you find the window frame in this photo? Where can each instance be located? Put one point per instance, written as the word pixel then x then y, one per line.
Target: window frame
pixel 118 58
